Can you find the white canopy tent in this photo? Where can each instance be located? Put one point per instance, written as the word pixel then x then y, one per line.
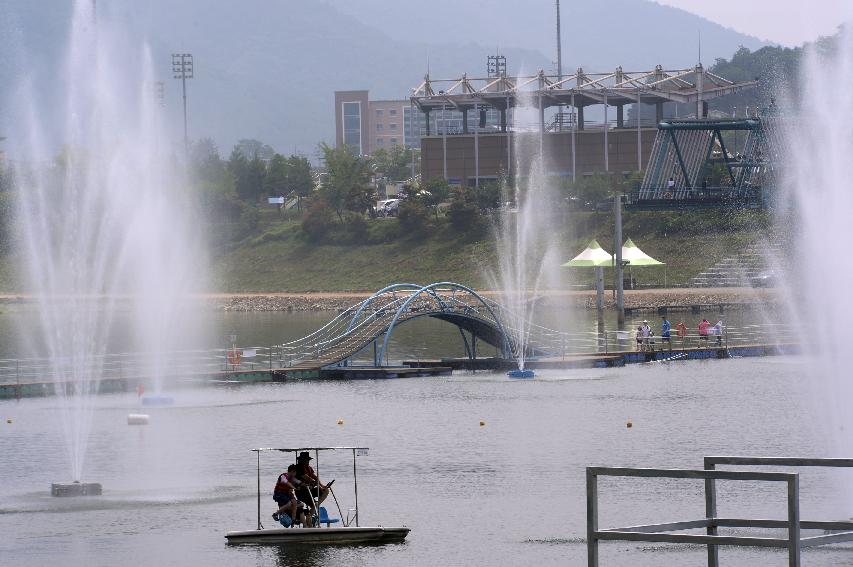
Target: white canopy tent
pixel 594 256
pixel 633 256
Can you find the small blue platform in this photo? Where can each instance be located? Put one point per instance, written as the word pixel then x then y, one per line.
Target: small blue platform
pixel 520 374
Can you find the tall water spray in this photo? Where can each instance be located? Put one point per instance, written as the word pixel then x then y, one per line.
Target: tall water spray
pixel 525 232
pixel 107 224
pixel 820 183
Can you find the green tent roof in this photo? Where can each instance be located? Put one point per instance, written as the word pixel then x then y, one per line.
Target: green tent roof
pixel 592 257
pixel 636 257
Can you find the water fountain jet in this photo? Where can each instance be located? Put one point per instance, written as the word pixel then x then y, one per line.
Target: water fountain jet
pixel 814 208
pixel 107 225
pixel 524 236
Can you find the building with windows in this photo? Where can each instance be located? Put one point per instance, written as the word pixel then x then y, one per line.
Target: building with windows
pixel 352 124
pixel 368 125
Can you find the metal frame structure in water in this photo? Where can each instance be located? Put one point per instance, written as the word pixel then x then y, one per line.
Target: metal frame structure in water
pixel 663 533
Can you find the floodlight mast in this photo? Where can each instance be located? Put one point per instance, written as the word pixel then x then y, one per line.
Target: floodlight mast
pixel 182 68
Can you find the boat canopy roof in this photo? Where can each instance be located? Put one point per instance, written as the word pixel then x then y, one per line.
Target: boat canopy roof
pixel 298 449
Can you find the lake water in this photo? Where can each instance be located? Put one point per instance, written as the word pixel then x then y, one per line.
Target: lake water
pixel 499 494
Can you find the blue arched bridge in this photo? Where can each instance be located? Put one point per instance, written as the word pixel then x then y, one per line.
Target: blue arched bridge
pixel 372 322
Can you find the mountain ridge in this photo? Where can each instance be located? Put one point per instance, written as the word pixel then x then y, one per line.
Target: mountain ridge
pixel 249 84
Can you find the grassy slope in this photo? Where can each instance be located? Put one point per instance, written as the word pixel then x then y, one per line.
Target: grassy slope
pixel 277 257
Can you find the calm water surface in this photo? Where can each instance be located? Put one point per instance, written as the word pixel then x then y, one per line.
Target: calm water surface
pixel 508 492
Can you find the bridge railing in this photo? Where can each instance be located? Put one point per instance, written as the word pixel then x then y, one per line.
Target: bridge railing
pixel 361 324
pixel 170 364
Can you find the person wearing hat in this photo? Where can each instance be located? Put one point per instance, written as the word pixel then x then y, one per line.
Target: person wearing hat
pixel 308 489
pixel 647 334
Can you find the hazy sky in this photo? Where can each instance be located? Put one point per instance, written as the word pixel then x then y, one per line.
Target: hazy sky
pixel 789 22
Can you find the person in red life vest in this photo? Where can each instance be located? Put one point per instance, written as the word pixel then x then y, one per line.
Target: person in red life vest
pixel 285 497
pixel 308 489
pixel 681 331
pixel 703 330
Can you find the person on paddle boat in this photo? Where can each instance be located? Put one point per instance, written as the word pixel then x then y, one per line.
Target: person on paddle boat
pixel 307 490
pixel 285 496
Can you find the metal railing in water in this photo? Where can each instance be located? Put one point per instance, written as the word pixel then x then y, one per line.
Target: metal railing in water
pixel 793 540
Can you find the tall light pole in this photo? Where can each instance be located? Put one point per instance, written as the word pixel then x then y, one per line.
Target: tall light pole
pixel 182 67
pixel 559 47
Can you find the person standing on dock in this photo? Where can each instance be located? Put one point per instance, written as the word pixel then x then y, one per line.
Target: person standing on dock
pixel 718 332
pixel 646 333
pixel 681 331
pixel 703 330
pixel 665 327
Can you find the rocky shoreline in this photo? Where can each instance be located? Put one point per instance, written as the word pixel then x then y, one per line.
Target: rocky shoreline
pixel 731 298
pixel 649 299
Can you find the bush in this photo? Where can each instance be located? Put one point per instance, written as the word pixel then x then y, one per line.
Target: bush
pixel 488 195
pixel 249 219
pixel 383 231
pixel 463 212
pixel 412 215
pixel 316 220
pixel 355 228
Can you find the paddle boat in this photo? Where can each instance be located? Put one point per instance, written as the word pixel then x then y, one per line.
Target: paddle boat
pixel 348 533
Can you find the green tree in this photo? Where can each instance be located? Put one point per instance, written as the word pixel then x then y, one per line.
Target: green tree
pixel 256 176
pixel 299 178
pixel 8 198
pixel 487 196
pixel 589 190
pixel 396 163
pixel 238 166
pixel 436 191
pixel 347 183
pixel 252 148
pixel 316 220
pixel 277 179
pixel 213 183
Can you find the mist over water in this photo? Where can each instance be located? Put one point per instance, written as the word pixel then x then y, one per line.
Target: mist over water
pixel 820 193
pixel 107 224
